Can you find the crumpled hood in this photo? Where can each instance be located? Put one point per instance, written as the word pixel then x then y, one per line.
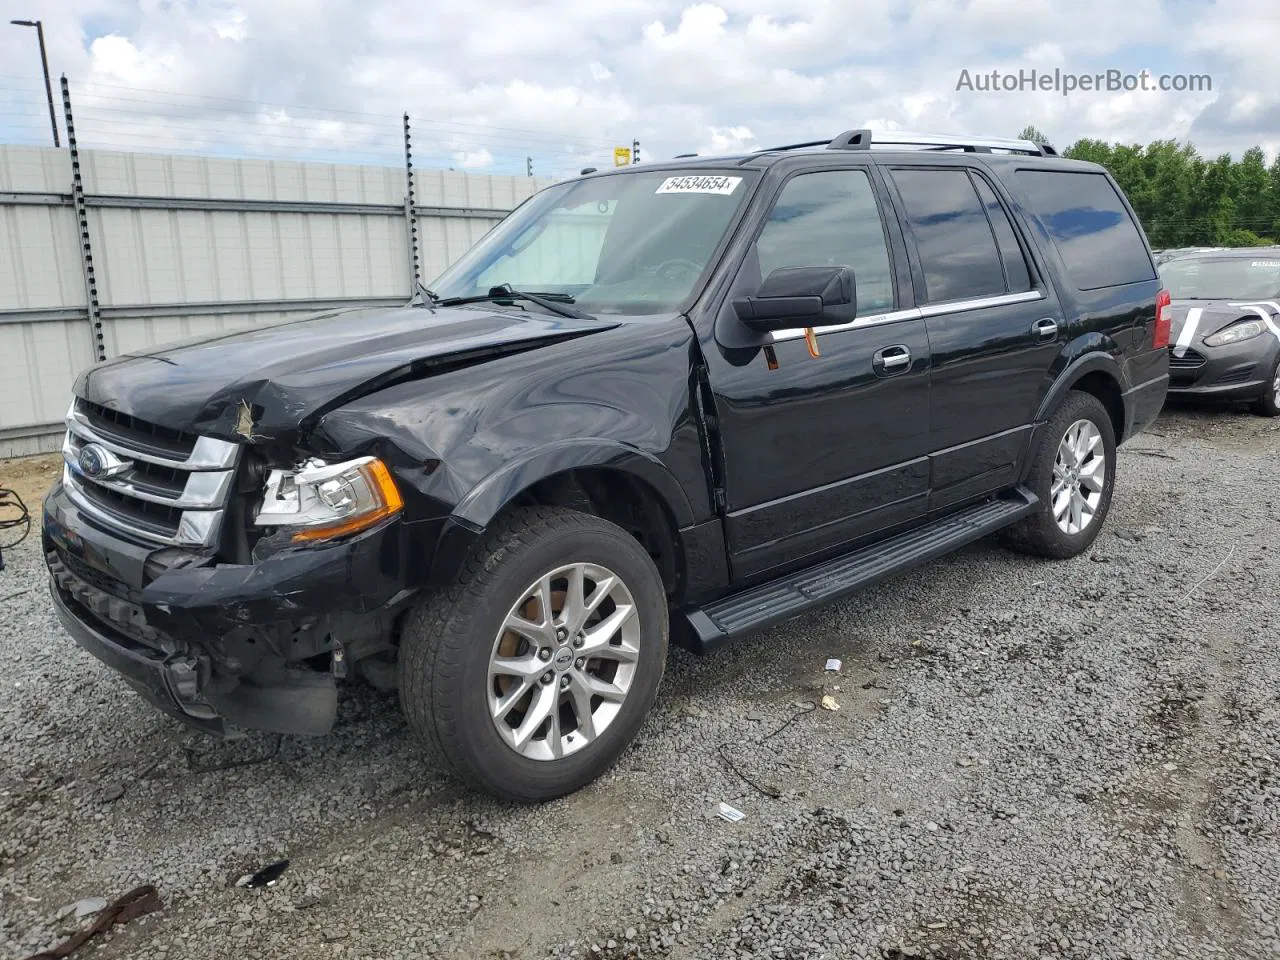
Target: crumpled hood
pixel 1193 320
pixel 281 376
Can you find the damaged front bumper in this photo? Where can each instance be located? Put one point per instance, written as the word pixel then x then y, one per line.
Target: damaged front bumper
pixel 225 646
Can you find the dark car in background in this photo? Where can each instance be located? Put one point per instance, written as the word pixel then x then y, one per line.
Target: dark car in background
pixel 1226 326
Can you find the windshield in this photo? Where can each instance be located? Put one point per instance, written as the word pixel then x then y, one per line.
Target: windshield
pixel 1223 278
pixel 632 243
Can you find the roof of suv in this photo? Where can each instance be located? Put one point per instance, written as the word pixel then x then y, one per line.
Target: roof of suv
pixel 863 140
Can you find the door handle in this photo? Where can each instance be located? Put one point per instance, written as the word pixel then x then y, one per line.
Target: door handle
pixel 890 360
pixel 1045 329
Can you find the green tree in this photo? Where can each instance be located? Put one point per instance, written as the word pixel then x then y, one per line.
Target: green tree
pixel 1273 197
pixel 1252 192
pixel 1031 133
pixel 1094 151
pixel 1213 209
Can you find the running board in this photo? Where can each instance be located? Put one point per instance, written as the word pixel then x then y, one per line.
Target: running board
pixel 791 596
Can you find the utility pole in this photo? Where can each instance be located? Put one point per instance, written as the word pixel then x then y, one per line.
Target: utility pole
pixel 44 62
pixel 635 151
pixel 528 166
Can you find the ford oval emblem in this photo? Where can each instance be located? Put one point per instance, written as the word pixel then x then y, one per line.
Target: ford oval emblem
pixel 93 460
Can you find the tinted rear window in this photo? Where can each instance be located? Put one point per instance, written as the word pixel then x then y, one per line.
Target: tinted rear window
pixel 957 249
pixel 1099 242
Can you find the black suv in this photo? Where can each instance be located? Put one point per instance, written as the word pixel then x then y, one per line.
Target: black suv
pixel 692 399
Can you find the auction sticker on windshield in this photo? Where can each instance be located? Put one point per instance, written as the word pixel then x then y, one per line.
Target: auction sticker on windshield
pixel 721 185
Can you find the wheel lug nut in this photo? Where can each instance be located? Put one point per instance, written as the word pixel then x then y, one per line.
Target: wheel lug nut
pixel 578 641
pixel 561 633
pixel 544 654
pixel 580 662
pixel 564 681
pixel 548 677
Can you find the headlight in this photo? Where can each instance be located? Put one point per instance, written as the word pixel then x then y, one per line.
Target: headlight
pixel 322 500
pixel 1235 333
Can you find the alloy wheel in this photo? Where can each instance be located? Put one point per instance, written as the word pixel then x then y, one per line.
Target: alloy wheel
pixel 1079 477
pixel 564 661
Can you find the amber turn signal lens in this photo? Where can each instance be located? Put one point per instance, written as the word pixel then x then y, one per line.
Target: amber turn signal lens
pixel 387 503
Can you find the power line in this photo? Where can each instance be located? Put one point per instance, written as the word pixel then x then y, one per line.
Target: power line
pixel 301 107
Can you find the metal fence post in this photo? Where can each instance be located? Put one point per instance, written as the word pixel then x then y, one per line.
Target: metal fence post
pixel 82 222
pixel 410 214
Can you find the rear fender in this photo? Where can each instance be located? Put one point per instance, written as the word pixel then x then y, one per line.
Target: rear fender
pixel 1096 360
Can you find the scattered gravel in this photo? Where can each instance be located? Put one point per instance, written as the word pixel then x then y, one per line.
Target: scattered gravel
pixel 1030 759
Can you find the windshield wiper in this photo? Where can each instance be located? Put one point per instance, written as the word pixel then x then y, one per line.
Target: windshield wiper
pixel 547 301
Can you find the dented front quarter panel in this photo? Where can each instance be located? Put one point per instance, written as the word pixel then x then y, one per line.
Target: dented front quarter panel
pixel 463 443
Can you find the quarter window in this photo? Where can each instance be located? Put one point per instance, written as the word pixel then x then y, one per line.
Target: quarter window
pixel 831 218
pixel 1099 242
pixel 1017 276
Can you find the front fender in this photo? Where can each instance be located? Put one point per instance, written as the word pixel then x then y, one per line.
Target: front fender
pixel 495 492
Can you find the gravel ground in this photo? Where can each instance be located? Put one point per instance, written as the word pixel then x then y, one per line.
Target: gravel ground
pixel 1030 759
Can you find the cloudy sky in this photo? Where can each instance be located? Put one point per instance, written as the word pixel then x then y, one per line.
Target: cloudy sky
pixel 489 82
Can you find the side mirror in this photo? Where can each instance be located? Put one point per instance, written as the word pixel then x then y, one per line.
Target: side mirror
pixel 800 297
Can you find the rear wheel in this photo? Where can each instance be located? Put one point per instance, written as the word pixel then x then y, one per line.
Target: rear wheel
pixel 1073 472
pixel 1268 405
pixel 529 676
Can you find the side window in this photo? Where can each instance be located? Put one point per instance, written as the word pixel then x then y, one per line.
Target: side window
pixel 1099 242
pixel 1016 274
pixel 831 219
pixel 957 249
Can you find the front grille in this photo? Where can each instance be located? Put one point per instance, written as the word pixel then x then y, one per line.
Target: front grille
pixel 134 433
pixel 1188 361
pixel 149 482
pixel 156 517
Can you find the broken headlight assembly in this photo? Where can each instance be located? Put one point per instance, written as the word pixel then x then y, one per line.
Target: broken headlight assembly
pixel 321 501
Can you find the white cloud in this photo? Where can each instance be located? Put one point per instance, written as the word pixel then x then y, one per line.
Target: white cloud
pixel 724 140
pixel 489 83
pixel 233 27
pixel 472 158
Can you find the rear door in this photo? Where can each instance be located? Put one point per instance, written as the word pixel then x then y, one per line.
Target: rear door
pixel 994 327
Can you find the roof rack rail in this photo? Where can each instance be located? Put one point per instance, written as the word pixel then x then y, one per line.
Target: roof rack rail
pixel 862 139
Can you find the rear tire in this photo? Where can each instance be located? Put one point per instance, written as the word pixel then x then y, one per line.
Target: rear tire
pixel 1268 405
pixel 1076 453
pixel 497 690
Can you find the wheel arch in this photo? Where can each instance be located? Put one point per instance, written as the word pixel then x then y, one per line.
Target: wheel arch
pixel 1098 374
pixel 608 479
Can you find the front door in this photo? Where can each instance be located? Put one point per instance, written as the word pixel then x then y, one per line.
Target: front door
pixel 822 451
pixel 994 329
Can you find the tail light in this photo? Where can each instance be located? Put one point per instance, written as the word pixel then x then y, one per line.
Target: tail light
pixel 1164 319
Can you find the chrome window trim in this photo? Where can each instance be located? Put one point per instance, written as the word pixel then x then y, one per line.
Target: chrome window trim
pixel 914 313
pixel 979 303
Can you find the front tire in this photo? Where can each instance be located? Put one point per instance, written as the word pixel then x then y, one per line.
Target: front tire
pixel 1073 474
pixel 1268 405
pixel 533 671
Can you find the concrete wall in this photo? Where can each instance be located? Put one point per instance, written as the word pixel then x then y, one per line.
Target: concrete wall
pixel 184 246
